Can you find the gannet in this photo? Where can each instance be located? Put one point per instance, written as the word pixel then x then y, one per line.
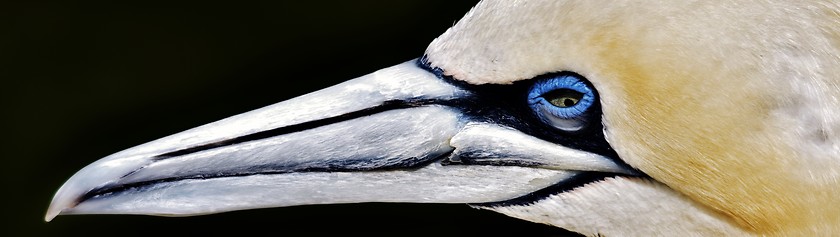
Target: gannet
pixel 629 118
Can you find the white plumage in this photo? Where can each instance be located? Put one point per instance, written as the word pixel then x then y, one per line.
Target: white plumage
pixel 726 111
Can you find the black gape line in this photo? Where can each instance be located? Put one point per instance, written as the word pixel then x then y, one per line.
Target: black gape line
pixel 335 166
pixel 385 106
pixel 566 185
pixel 327 166
pixel 507 105
pixel 499 104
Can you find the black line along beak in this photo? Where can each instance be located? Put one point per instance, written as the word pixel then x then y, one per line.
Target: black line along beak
pixel 383 137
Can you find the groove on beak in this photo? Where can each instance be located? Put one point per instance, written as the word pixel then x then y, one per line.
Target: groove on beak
pixel 383 137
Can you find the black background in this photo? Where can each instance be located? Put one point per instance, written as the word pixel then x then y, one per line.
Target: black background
pixel 82 80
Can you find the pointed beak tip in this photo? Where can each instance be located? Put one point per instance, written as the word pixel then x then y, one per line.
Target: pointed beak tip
pixel 60 204
pixel 52 212
pixel 57 207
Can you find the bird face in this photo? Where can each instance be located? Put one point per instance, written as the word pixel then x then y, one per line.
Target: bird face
pixel 598 117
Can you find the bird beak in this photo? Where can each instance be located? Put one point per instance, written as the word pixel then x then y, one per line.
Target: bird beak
pixel 396 135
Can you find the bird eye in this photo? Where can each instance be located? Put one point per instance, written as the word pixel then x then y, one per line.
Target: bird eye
pixel 562 101
pixel 563 98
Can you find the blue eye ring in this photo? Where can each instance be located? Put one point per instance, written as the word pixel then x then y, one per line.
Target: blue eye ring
pixel 569 117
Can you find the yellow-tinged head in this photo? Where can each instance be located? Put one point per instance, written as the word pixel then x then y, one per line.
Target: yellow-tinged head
pixel 734 104
pixel 631 118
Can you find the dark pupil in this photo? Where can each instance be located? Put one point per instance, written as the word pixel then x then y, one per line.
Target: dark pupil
pixel 563 98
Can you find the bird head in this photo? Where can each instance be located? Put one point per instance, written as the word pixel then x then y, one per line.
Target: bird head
pixel 624 118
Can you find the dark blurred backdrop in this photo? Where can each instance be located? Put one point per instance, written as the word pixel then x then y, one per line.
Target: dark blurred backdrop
pixel 82 80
